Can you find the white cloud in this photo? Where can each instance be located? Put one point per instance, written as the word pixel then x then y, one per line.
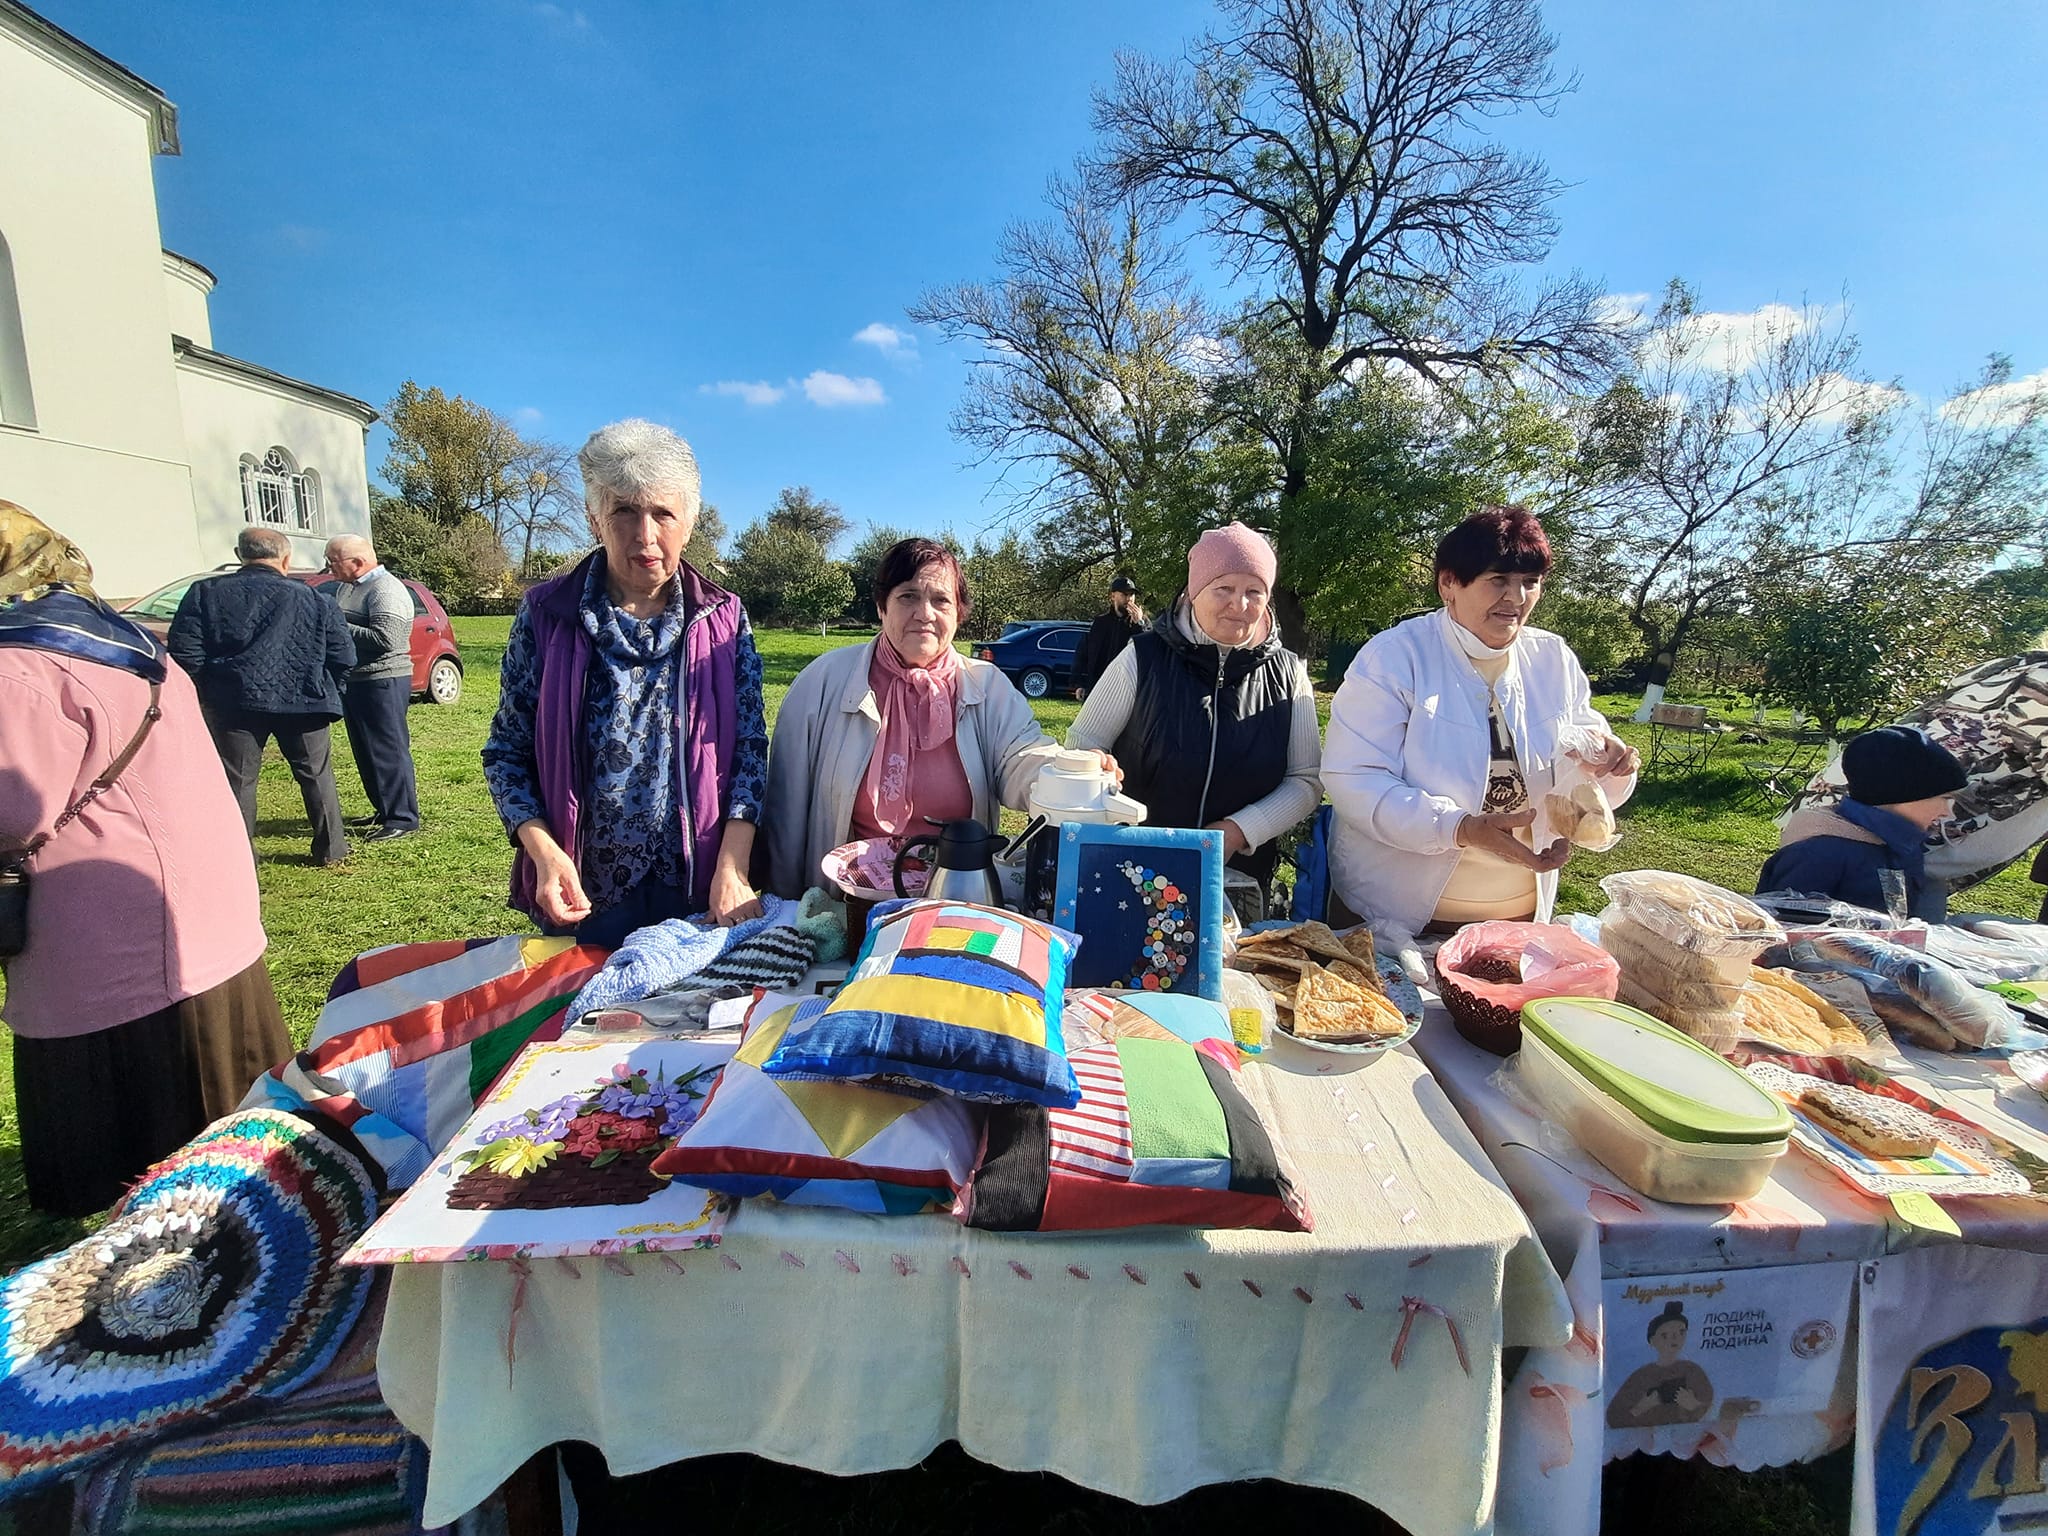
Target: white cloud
pixel 1622 308
pixel 1204 355
pixel 1998 404
pixel 836 389
pixel 561 18
pixel 1722 342
pixel 302 237
pixel 1841 397
pixel 529 416
pixel 754 392
pixel 897 346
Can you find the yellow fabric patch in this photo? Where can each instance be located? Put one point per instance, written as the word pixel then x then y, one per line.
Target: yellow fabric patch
pixel 534 951
pixel 965 1007
pixel 844 1116
pixel 948 938
pixel 847 1116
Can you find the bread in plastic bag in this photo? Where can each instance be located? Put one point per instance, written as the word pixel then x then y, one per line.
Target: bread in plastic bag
pixel 1576 808
pixel 1691 914
pixel 1927 1001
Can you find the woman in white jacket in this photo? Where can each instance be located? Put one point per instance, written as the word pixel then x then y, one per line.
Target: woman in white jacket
pixel 1444 738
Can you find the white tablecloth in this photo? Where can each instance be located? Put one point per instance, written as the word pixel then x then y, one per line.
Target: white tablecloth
pixel 1596 1229
pixel 1142 1363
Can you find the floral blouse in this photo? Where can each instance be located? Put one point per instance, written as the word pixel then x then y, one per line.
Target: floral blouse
pixel 632 827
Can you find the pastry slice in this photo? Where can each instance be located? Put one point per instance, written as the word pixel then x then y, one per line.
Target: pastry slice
pixel 1332 1010
pixel 1866 1122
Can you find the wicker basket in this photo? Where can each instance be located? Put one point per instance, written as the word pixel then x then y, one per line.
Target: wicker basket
pixel 1487 1025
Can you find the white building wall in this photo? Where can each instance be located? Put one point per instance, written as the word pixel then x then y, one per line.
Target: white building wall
pixel 186 285
pixel 228 417
pixel 105 461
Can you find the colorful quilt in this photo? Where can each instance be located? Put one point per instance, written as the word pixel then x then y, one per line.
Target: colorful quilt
pixel 962 998
pixel 1163 1136
pixel 812 1142
pixel 413 1035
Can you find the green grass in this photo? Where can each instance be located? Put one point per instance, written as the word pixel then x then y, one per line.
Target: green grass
pixel 450 882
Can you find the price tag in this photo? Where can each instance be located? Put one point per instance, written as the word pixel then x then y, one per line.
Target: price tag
pixel 1917 1208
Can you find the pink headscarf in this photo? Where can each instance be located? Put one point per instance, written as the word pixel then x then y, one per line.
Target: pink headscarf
pixel 917 716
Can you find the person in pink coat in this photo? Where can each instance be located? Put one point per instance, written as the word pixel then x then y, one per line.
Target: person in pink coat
pixel 138 998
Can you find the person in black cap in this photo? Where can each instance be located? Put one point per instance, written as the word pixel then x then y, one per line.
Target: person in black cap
pixel 1108 635
pixel 1900 785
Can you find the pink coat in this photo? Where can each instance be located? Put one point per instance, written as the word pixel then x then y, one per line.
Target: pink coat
pixel 149 897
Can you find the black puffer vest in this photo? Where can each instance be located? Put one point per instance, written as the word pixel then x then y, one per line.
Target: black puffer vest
pixel 1208 730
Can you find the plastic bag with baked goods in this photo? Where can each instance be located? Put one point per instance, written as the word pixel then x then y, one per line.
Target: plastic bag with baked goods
pixel 1576 808
pixel 1689 913
pixel 1781 1014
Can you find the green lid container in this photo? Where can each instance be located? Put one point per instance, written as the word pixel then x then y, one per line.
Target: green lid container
pixel 1667 1080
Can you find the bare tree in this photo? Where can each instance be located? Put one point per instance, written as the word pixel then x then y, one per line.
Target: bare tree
pixel 1092 342
pixel 543 508
pixel 1744 453
pixel 1337 150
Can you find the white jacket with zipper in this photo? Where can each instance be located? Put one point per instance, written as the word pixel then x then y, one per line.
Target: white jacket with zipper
pixel 1408 753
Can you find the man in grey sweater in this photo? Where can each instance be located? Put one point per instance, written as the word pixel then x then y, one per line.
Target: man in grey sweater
pixel 378 609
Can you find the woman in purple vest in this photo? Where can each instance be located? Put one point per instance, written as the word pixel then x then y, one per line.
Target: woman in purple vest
pixel 629 755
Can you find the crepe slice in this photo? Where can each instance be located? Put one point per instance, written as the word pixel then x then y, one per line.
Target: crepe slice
pixel 1288 960
pixel 1867 1122
pixel 1358 975
pixel 1332 1010
pixel 1359 941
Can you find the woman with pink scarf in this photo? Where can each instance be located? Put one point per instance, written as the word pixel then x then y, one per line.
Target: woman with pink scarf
pixel 879 740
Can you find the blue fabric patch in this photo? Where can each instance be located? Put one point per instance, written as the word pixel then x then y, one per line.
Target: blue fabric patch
pixel 1182 1172
pixel 969 1063
pixel 968 971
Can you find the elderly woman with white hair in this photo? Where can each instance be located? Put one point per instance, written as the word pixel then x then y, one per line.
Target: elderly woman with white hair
pixel 629 754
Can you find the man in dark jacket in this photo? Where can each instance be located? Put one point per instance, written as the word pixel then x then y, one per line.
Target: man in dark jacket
pixel 269 656
pixel 1108 635
pixel 1900 785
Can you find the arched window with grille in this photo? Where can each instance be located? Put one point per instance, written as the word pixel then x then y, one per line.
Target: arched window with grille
pixel 17 400
pixel 277 493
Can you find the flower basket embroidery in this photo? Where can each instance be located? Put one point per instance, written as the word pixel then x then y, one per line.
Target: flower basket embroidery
pixel 591 1148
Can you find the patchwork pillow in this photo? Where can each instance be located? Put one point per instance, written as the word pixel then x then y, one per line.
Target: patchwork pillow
pixel 815 1142
pixel 1149 1015
pixel 1163 1136
pixel 961 998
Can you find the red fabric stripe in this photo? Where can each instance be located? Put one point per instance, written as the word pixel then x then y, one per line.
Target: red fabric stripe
pixel 679 1160
pixel 444 1024
pixel 402 958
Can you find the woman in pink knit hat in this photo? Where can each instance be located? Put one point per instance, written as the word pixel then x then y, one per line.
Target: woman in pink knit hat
pixel 1211 717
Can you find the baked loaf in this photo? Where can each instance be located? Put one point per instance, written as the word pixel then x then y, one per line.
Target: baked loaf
pixel 1868 1123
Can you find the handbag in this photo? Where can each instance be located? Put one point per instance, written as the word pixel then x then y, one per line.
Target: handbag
pixel 14 876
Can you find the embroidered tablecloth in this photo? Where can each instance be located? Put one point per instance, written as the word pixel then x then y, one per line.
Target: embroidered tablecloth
pixel 1807 1227
pixel 1364 1356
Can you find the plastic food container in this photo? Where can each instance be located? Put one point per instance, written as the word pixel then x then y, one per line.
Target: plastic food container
pixel 1661 1111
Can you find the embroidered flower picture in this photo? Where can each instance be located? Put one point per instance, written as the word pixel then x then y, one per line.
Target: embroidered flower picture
pixel 589 1148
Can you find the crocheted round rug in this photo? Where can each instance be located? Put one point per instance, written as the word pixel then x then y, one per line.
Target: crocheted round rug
pixel 215 1281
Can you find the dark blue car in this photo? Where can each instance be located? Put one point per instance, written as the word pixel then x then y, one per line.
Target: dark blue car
pixel 1038 656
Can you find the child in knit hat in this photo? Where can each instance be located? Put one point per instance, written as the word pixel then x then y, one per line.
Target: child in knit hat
pixel 1900 784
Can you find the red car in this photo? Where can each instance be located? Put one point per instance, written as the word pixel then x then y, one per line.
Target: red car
pixel 436 658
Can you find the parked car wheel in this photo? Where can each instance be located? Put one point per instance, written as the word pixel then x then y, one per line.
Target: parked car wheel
pixel 444 682
pixel 1036 683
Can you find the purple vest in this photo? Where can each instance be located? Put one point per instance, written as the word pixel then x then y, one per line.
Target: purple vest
pixel 707 725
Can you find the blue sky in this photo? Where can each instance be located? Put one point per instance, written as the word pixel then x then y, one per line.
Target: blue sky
pixel 575 212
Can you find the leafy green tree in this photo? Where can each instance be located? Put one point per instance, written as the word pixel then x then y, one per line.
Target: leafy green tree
pixel 818 592
pixel 798 509
pixel 451 457
pixel 1852 648
pixel 706 539
pixel 2015 603
pixel 460 563
pixel 779 572
pixel 862 563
